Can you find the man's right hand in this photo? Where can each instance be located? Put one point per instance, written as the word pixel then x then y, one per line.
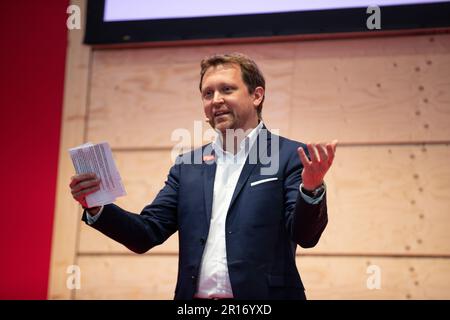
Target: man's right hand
pixel 83 184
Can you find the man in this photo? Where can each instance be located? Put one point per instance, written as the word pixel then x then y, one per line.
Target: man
pixel 238 227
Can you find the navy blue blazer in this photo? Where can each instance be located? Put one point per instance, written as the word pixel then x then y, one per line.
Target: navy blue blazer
pixel 264 224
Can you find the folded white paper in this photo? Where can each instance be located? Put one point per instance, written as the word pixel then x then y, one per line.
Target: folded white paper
pixel 98 159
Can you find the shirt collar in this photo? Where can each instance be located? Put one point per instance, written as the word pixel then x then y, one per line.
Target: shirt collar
pixel 245 145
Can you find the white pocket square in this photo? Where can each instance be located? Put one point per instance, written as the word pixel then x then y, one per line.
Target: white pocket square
pixel 255 183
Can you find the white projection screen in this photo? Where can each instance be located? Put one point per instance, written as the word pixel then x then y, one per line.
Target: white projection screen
pixel 139 21
pixel 120 10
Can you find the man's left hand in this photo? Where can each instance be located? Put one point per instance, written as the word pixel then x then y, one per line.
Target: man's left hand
pixel 314 170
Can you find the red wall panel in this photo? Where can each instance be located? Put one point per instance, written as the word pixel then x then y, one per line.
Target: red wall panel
pixel 32 59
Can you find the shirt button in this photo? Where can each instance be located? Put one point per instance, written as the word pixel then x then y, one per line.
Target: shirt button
pixel 230 232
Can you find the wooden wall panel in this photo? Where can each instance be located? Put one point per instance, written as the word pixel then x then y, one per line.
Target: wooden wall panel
pixel 401 278
pixel 191 54
pixel 383 200
pixel 373 90
pixel 140 102
pixel 150 277
pixel 389 200
pixel 359 90
pixel 143 175
pixel 137 277
pixel 277 104
pixel 140 106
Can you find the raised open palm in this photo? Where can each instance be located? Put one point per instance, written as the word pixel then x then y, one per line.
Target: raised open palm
pixel 314 169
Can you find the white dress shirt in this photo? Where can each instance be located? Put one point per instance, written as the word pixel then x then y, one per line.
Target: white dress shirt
pixel 214 281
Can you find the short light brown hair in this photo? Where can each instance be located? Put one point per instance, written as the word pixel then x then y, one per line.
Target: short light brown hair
pixel 251 75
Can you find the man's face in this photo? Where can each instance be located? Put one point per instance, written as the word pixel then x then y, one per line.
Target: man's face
pixel 226 100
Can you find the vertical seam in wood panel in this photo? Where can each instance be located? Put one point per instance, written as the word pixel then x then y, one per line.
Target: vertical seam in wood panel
pixel 85 135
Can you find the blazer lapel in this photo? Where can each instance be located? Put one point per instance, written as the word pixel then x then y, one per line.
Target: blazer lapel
pixel 209 173
pixel 246 170
pixel 249 167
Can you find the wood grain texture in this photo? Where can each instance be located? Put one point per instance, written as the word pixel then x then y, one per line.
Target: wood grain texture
pixel 401 278
pixel 373 90
pixel 150 277
pixel 140 102
pixel 382 200
pixel 360 90
pixel 137 277
pixel 389 200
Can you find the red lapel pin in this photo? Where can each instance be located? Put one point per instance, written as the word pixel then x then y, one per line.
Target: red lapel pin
pixel 209 157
